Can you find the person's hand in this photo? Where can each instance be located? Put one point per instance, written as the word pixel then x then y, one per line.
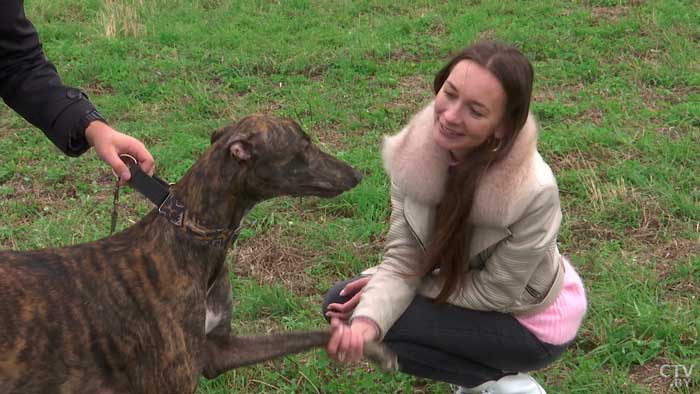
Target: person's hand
pixel 343 311
pixel 109 144
pixel 347 342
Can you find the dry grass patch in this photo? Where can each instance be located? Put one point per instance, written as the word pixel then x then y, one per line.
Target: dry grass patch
pixel 57 12
pixel 585 232
pixel 9 243
pixel 565 92
pixel 121 18
pixel 648 223
pixel 650 375
pixel 669 256
pixel 674 133
pixel 262 326
pixel 7 117
pixel 610 196
pixel 402 54
pixel 53 197
pixel 674 250
pixel 415 91
pixel 608 14
pixel 273 259
pixel 329 136
pixel 98 88
pixel 315 72
pixel 652 97
pixel 593 115
pixel 580 160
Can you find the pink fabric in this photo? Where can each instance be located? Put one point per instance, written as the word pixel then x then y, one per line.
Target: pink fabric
pixel 559 322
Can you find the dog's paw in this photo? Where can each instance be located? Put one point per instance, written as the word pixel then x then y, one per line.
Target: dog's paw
pixel 382 356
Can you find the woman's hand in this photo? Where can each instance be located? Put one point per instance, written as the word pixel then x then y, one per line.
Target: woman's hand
pixel 109 144
pixel 347 342
pixel 343 311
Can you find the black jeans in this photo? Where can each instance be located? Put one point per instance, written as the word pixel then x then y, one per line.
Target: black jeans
pixel 458 345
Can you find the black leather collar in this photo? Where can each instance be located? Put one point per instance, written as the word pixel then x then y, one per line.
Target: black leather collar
pixel 158 192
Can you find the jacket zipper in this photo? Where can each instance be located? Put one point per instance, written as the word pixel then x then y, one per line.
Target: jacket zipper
pixel 534 293
pixel 420 243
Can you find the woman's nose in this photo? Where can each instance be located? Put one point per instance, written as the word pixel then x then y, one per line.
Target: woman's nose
pixel 451 114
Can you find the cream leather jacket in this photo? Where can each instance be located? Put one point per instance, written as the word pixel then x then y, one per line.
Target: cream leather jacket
pixel 514 264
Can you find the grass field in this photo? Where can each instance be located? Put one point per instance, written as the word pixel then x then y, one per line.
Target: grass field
pixel 617 94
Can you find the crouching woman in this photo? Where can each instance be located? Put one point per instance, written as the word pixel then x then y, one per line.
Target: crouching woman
pixel 472 289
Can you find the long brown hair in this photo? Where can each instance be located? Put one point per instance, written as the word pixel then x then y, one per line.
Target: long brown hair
pixel 449 247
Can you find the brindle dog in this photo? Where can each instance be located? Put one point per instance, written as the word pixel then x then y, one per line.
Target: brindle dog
pixel 148 310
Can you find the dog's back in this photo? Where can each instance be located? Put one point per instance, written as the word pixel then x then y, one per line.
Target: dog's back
pixel 72 319
pixel 51 330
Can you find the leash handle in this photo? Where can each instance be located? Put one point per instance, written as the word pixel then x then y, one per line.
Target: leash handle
pixel 152 187
pixel 130 162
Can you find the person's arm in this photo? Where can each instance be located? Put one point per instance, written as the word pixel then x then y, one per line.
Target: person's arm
pixel 386 295
pixel 392 288
pixel 31 86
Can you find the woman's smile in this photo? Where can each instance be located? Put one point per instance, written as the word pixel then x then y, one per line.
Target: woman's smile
pixel 449 133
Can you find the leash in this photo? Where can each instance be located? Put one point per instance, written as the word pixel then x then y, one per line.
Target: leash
pixel 158 192
pixel 153 188
pixel 115 203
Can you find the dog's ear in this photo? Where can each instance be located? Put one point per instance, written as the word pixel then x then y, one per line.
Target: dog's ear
pixel 218 133
pixel 240 150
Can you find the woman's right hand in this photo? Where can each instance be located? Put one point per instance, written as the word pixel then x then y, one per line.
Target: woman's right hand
pixel 347 341
pixel 343 311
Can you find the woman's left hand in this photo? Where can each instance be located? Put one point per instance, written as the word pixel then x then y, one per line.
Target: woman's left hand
pixel 347 342
pixel 343 311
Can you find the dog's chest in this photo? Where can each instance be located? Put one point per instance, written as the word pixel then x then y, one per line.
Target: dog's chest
pixel 218 304
pixel 213 318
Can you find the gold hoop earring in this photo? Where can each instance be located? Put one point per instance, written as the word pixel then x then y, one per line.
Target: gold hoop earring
pixel 498 147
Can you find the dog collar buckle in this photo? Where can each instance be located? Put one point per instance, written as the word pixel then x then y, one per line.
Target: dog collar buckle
pixel 173 210
pixel 218 243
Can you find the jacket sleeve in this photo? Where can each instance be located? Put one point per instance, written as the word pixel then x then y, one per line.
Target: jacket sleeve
pixel 392 288
pixel 31 86
pixel 507 271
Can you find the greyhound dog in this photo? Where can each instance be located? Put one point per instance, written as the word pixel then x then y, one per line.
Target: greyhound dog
pixel 148 310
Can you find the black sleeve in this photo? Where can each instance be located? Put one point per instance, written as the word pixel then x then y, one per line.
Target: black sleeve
pixel 31 86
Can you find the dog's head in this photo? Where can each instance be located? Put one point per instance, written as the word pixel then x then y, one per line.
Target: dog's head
pixel 274 157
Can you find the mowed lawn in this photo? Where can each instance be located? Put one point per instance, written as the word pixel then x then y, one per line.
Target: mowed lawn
pixel 617 95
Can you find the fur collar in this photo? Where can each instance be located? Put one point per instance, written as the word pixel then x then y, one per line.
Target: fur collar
pixel 419 167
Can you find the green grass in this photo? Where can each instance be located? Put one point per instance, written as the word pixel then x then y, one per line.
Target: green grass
pixel 617 95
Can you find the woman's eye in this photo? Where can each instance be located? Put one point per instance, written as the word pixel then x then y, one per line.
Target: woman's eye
pixel 450 94
pixel 477 113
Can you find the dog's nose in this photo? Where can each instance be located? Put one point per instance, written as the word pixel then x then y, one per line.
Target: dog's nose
pixel 357 176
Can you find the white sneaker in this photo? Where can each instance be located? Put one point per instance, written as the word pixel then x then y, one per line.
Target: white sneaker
pixel 511 384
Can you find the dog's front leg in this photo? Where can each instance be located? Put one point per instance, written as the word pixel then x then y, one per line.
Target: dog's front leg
pixel 223 355
pixel 224 352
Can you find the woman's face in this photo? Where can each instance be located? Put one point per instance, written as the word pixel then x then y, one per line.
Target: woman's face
pixel 468 109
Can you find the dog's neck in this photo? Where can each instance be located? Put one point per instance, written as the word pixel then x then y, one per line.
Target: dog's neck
pixel 211 194
pixel 213 202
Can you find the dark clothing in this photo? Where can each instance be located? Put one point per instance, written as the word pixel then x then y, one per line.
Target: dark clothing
pixel 458 345
pixel 31 86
